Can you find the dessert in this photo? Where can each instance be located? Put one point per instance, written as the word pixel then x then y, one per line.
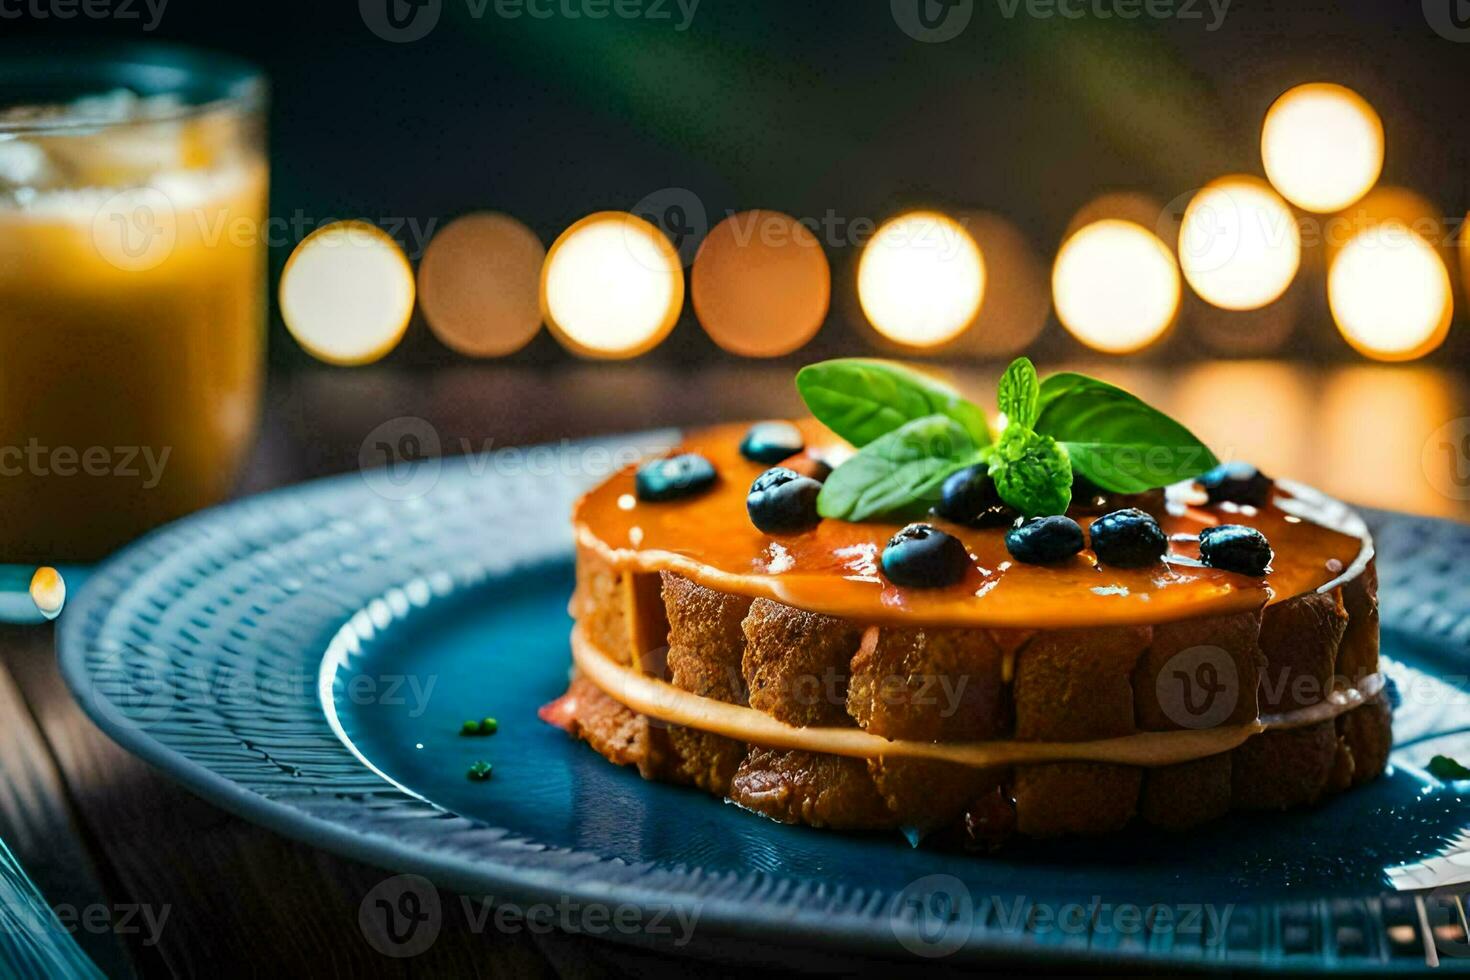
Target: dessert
pixel 1079 622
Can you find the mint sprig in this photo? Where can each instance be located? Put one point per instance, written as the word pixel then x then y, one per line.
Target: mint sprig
pixel 913 431
pixel 1031 471
pixel 1019 393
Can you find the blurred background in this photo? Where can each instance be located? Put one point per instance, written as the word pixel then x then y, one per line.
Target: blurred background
pixel 1100 184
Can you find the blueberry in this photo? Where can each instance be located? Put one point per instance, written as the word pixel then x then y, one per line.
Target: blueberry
pixel 1128 538
pixel 1235 548
pixel 923 557
pixel 1236 483
pixel 966 494
pixel 673 477
pixel 997 515
pixel 782 501
pixel 771 442
pixel 1045 540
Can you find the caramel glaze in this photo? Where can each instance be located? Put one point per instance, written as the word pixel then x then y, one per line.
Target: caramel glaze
pixel 834 568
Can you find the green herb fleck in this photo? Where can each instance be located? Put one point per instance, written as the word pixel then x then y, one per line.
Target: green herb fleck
pixel 1447 769
pixel 479 772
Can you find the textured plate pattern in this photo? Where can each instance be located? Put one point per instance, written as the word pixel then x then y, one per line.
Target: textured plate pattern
pixel 209 648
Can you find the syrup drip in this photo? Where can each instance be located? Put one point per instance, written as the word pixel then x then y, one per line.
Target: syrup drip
pixel 834 568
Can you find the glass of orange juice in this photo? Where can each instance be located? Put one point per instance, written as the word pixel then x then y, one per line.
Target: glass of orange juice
pixel 132 292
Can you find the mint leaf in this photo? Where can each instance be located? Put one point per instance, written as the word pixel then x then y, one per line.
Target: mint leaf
pixel 861 399
pixel 1019 393
pixel 1447 769
pixel 1031 472
pixel 1114 438
pixel 900 473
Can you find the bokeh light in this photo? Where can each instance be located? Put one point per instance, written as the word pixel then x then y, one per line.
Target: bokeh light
pixel 1387 202
pixel 761 284
pixel 1135 206
pixel 612 286
pixel 1239 245
pixel 347 293
pixel 921 279
pixel 1463 247
pixel 1017 297
pixel 1390 293
pixel 1115 286
pixel 479 284
pixel 1322 146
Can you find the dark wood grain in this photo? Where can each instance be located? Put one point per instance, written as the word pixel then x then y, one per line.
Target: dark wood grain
pixel 239 899
pixel 36 819
pixel 236 896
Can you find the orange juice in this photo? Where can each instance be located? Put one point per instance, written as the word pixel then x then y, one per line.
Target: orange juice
pixel 132 319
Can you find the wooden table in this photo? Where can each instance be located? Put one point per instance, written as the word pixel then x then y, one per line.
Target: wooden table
pixel 111 841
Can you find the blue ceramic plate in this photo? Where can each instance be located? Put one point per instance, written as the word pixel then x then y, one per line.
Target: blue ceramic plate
pixel 305 658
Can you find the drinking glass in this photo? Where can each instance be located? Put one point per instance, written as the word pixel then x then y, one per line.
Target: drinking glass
pixel 132 291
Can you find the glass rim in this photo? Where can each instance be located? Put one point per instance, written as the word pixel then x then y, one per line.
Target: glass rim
pixel 216 81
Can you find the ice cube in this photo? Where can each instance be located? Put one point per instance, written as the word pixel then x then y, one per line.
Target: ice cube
pixel 107 107
pixel 24 164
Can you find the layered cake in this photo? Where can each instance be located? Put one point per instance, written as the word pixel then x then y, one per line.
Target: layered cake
pixel 977 636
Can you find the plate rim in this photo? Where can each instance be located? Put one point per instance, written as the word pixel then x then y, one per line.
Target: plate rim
pixel 831 918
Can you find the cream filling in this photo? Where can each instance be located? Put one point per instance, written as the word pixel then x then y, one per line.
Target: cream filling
pixel 667 703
